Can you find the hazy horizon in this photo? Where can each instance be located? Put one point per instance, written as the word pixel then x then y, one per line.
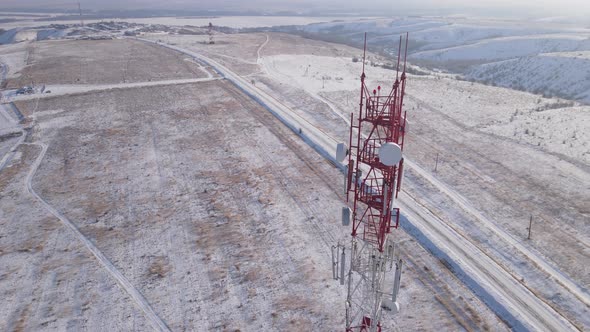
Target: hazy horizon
pixel 506 8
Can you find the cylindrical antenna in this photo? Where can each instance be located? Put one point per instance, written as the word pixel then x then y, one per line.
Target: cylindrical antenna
pixel 80 11
pixel 406 52
pixel 364 53
pixel 399 50
pixel 342 265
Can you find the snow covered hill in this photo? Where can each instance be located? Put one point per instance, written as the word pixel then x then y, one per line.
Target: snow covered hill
pixel 510 47
pixel 562 74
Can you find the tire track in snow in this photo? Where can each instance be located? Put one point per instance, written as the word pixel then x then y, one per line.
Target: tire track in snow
pixel 261 47
pixel 123 282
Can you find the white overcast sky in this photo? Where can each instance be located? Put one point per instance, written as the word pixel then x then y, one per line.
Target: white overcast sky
pixel 523 8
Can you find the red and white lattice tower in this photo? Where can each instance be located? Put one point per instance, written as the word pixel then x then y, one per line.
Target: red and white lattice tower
pixel 375 169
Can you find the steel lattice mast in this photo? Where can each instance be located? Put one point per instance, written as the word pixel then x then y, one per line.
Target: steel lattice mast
pixel 375 169
pixel 210 33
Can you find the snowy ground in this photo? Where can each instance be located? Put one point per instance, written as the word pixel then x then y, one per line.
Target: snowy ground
pixel 182 213
pixel 13 60
pixel 476 110
pixel 546 74
pixel 488 169
pixel 102 62
pixel 213 210
pixel 524 55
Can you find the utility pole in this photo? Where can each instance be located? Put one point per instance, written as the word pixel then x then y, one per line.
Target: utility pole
pixel 436 163
pixel 210 33
pixel 80 11
pixel 530 227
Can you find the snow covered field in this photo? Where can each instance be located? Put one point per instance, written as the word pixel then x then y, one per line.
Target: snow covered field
pixel 13 60
pixel 482 166
pixel 480 49
pixel 167 147
pixel 190 210
pixel 196 196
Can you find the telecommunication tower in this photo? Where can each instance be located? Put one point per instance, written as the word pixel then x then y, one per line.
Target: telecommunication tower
pixel 373 181
pixel 210 33
pixel 80 12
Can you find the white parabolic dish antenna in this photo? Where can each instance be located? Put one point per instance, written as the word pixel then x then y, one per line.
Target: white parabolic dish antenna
pixel 390 154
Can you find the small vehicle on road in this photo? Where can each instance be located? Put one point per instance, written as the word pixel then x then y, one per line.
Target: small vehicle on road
pixel 27 90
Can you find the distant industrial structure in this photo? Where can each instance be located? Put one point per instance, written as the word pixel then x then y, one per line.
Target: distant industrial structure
pixel 373 181
pixel 210 33
pixel 80 11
